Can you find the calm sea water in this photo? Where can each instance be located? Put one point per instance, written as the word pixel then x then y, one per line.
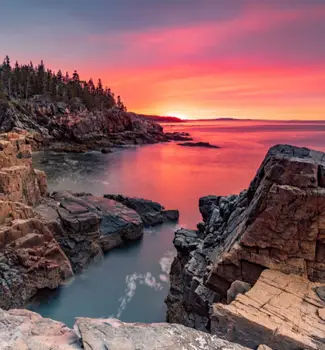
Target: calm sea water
pixel 132 282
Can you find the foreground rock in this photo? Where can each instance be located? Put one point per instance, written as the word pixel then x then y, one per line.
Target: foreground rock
pixel 278 223
pixel 282 311
pixel 116 335
pixel 198 144
pixel 151 213
pixel 26 330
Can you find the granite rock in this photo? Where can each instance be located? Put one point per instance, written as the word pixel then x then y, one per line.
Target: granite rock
pixel 281 311
pixel 26 330
pixel 278 223
pixel 116 335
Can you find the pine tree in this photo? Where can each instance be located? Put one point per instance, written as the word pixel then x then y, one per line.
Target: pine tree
pixel 26 81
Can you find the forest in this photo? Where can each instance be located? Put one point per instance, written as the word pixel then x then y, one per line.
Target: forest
pixel 27 81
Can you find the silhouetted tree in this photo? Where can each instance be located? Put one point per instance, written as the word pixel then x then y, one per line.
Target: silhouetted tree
pixel 26 81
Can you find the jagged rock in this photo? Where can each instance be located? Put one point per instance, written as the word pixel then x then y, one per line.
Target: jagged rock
pixel 19 182
pixel 73 128
pixel 278 223
pixel 151 213
pixel 281 311
pixel 115 335
pixel 26 330
pixel 86 226
pixel 30 257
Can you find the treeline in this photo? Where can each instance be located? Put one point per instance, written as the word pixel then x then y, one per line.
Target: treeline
pixel 26 81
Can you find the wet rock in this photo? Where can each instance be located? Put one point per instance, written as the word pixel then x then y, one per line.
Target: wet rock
pixel 281 311
pixel 115 335
pixel 151 213
pixel 26 330
pixel 198 144
pixel 278 223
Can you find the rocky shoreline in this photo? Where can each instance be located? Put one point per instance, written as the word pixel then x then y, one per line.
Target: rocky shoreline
pixel 270 237
pixel 64 127
pixel 47 238
pixel 252 273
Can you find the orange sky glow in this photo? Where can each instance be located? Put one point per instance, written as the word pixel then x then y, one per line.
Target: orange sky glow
pixel 242 59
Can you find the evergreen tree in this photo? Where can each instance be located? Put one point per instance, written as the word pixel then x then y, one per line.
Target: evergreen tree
pixel 26 81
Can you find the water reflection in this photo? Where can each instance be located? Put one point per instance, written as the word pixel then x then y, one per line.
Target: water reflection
pixel 132 282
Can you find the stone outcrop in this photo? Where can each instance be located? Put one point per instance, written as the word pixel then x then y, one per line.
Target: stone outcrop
pixel 282 311
pixel 30 257
pixel 19 182
pixel 26 330
pixel 151 213
pixel 73 128
pixel 87 226
pixel 278 224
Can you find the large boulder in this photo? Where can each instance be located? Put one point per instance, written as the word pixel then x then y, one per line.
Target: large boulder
pixel 116 335
pixel 278 223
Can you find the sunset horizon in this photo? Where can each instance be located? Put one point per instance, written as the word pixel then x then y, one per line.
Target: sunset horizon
pixel 245 60
pixel 162 174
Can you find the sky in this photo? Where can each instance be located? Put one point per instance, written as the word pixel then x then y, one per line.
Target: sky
pixel 193 59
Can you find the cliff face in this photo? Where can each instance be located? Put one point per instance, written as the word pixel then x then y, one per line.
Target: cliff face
pixel 30 257
pixel 278 224
pixel 74 128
